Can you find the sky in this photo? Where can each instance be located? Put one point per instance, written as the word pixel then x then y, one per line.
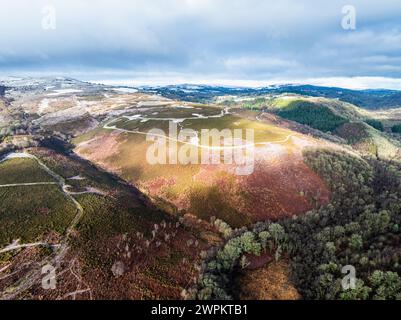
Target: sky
pixel 233 42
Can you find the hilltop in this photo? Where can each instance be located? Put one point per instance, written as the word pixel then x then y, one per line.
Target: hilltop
pixel 77 190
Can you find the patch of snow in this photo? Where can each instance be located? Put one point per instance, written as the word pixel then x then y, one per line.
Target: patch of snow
pixel 78 177
pixel 63 91
pixel 16 155
pixel 198 115
pixel 178 120
pixel 43 106
pixel 125 90
pixel 134 117
pixel 184 107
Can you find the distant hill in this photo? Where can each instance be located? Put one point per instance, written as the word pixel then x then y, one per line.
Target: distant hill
pixel 364 130
pixel 369 99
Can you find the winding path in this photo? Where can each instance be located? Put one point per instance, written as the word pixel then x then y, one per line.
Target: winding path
pixel 15 246
pixel 35 275
pixel 27 184
pixel 107 126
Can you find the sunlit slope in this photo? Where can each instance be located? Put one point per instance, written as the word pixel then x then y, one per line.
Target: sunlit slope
pixel 210 190
pixel 364 130
pixel 367 139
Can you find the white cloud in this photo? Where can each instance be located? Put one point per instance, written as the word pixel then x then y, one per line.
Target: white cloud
pixel 357 82
pixel 225 39
pixel 373 41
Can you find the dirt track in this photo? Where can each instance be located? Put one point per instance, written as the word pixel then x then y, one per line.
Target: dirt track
pixel 34 276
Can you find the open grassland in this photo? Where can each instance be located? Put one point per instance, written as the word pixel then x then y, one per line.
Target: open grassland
pixel 211 190
pixel 29 212
pixel 263 132
pixel 177 111
pixel 127 157
pixel 125 152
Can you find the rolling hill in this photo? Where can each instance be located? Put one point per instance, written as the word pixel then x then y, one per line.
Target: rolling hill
pixel 369 99
pixel 78 192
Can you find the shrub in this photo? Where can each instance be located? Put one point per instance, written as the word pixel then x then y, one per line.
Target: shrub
pixel 224 228
pixel 386 285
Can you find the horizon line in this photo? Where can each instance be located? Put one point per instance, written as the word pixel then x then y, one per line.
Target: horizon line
pixel 162 80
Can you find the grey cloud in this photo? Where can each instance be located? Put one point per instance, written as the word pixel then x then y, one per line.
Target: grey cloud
pixel 233 39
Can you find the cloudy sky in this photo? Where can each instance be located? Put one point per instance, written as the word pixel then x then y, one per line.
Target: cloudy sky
pixel 211 41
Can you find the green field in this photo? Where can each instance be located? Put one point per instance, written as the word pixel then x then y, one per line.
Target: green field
pixel 180 112
pixel 263 132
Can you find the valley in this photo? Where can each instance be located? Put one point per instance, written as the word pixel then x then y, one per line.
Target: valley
pixel 78 192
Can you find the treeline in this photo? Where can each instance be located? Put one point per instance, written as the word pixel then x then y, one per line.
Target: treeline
pixel 360 227
pixel 396 128
pixel 377 124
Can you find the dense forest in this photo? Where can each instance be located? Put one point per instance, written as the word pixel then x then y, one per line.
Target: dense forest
pixel 314 115
pixel 377 124
pixel 359 227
